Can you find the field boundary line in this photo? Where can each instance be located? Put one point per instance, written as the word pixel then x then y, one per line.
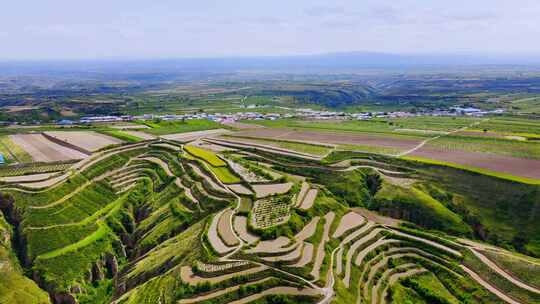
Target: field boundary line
pixel 488 262
pixel 494 290
pixel 424 142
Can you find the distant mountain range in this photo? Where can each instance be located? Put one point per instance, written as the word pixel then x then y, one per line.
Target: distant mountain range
pixel 300 63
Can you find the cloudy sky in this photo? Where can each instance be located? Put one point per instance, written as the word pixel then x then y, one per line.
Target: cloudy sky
pixel 70 29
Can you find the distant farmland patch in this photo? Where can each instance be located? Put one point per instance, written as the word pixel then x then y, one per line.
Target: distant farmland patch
pixel 528 168
pixel 125 135
pixel 302 147
pixel 394 142
pixel 191 136
pixel 498 146
pixel 169 127
pixel 375 125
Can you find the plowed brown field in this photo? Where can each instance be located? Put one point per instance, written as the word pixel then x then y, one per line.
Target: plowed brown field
pixel 523 167
pixel 333 138
pixel 87 140
pixel 43 150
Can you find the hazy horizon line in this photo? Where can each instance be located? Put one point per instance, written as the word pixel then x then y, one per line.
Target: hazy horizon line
pixel 120 58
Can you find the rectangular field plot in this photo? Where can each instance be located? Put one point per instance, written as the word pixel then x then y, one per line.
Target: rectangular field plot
pixel 123 135
pixel 374 125
pixel 140 134
pixel 30 169
pixel 264 190
pixel 170 126
pixel 43 150
pixel 521 167
pixel 301 147
pixel 85 140
pixel 498 146
pixel 511 125
pixel 191 136
pixel 385 141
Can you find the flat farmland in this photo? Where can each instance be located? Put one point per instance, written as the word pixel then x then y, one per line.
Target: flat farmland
pixel 172 127
pixel 89 141
pixel 523 126
pixel 480 133
pixel 43 150
pixel 384 141
pixel 295 146
pixel 191 136
pixel 375 125
pixel 498 146
pixel 242 126
pixel 140 134
pixel 523 167
pixel 129 127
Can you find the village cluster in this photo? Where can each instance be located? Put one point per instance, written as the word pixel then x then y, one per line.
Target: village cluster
pixel 305 113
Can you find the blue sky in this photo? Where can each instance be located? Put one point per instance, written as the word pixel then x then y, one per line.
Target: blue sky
pixel 71 29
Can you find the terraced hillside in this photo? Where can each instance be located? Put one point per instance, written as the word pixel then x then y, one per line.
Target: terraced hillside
pixel 212 221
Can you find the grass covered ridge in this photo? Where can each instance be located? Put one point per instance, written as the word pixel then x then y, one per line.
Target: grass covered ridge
pixel 416 205
pixel 14 286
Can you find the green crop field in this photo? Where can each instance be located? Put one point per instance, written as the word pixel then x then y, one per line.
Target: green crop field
pixel 516 292
pixel 427 286
pixel 206 155
pixel 378 125
pixel 5 143
pixel 170 127
pixel 122 136
pixel 369 149
pixel 12 152
pixel 523 267
pixel 225 175
pixel 526 105
pixel 511 125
